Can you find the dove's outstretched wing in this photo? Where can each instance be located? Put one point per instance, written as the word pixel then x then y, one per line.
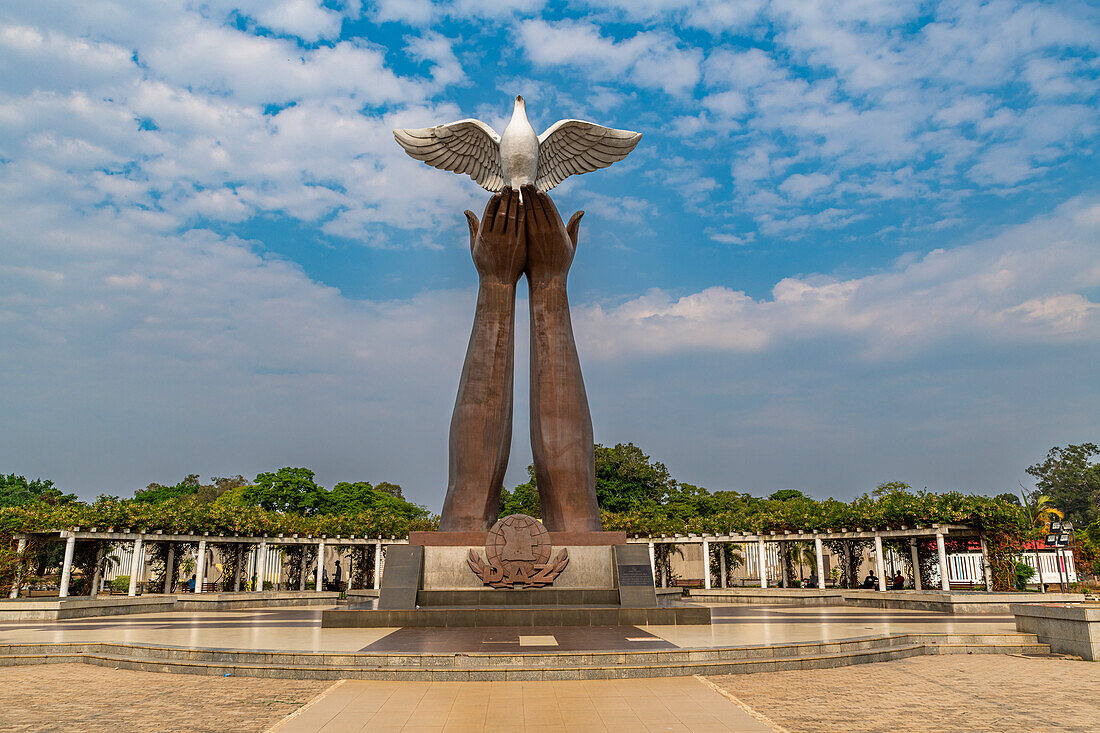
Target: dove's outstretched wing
pixel 570 147
pixel 466 146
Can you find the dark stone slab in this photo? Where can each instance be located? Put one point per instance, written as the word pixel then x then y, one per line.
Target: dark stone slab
pixel 515 616
pixel 505 639
pixel 518 597
pixel 634 577
pixel 401 577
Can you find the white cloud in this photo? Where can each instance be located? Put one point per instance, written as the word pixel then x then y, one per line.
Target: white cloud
pixel 185 129
pixel 652 59
pixel 804 185
pixel 1026 286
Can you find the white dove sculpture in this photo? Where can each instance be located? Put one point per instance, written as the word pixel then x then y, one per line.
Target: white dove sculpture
pixel 519 156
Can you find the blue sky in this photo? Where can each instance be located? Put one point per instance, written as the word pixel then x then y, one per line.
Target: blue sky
pixel 858 242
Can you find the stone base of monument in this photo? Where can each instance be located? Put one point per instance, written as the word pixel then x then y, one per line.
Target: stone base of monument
pixel 526 577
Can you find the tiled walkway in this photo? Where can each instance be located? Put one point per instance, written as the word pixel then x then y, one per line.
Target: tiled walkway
pixel 680 704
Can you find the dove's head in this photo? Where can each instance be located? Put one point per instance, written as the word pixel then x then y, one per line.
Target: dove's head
pixel 519 112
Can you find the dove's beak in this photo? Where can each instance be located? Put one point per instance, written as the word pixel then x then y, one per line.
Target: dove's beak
pixel 519 100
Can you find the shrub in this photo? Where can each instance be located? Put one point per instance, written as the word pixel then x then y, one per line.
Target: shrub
pixel 121 583
pixel 1024 573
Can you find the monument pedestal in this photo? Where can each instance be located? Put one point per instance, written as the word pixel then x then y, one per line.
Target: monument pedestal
pixel 591 564
pixel 440 579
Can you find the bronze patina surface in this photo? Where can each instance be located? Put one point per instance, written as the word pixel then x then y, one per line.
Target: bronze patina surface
pixel 518 554
pixel 515 238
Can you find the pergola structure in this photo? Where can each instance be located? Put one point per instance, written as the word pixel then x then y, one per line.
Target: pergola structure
pixel 71 536
pixel 938 531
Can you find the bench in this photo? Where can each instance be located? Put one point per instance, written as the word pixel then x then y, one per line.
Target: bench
pixel 687 583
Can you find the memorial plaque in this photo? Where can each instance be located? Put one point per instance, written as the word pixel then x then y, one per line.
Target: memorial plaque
pixel 401 577
pixel 635 575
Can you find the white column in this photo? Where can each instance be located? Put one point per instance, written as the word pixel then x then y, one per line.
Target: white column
pixel 377 565
pixel 20 548
pixel 763 562
pixel 652 562
pixel 706 564
pixel 170 568
pixel 880 566
pixel 320 563
pixel 721 565
pixel 302 571
pixel 941 550
pixel 67 565
pixel 820 554
pixel 238 568
pixel 916 563
pixel 200 566
pixel 135 567
pixel 261 566
pixel 986 570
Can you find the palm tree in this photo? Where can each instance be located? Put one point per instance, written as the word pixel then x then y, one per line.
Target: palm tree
pixel 1040 512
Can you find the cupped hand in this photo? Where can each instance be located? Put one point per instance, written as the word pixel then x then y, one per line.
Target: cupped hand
pixel 550 242
pixel 497 241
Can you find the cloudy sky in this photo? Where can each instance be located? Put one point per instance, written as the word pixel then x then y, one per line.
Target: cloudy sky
pixel 859 241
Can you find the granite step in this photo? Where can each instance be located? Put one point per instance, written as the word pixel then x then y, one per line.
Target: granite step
pixel 538 666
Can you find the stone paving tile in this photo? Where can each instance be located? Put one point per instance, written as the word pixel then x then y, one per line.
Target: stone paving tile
pixel 637 706
pixel 941 694
pixel 80 697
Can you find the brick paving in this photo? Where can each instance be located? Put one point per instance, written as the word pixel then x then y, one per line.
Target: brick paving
pixel 968 694
pixel 80 697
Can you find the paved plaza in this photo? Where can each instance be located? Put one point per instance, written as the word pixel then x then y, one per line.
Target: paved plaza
pixel 83 698
pixel 299 629
pixel 950 694
pixel 980 692
pixel 953 694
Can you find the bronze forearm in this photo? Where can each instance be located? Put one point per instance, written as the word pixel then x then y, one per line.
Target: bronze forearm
pixel 481 425
pixel 561 424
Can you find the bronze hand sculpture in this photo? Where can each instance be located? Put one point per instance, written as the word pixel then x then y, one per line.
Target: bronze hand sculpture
pixel 561 425
pixel 511 239
pixel 481 425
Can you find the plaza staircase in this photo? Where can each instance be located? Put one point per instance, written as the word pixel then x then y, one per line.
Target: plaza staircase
pixel 522 665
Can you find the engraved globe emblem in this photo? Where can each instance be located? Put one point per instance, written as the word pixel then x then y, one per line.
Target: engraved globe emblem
pixel 517 553
pixel 517 538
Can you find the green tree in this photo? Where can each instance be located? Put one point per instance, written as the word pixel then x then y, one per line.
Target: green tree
pixel 524 499
pixel 288 490
pixel 190 486
pixel 786 495
pixel 387 488
pixel 1071 481
pixel 353 497
pixel 626 478
pixel 17 491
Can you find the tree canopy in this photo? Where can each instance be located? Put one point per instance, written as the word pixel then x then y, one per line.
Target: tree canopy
pixel 1071 481
pixel 17 491
pixel 190 486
